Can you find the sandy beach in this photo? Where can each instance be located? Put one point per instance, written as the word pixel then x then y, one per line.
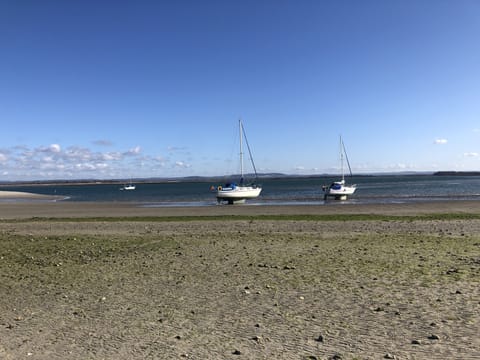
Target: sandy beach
pixel 125 281
pixel 22 195
pixel 48 207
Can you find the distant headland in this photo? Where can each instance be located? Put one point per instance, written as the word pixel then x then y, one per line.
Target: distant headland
pixel 457 173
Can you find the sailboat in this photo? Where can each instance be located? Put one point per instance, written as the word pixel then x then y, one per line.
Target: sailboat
pixel 234 193
pixel 129 186
pixel 339 190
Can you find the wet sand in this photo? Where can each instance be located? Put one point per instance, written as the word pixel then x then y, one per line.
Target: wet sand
pixel 235 288
pixel 50 208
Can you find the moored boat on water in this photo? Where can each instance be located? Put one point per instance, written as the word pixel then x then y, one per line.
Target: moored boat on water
pixel 234 193
pixel 237 193
pixel 339 190
pixel 128 187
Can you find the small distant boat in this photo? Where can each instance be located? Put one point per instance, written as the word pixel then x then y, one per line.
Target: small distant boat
pixel 339 190
pixel 128 187
pixel 234 193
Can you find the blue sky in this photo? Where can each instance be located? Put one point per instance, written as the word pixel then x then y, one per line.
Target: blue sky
pixel 109 89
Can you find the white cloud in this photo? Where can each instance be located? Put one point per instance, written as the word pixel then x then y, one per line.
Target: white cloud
pixel 470 154
pixel 102 166
pixel 55 162
pixel 182 164
pixel 440 141
pixel 52 148
pixel 48 159
pixel 55 148
pixel 51 165
pixel 135 151
pixel 112 156
pixel 91 166
pixel 78 153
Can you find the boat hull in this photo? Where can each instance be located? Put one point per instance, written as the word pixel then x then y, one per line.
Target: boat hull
pixel 339 191
pixel 238 194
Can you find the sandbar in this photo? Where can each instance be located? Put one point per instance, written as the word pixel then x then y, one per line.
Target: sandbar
pixel 53 208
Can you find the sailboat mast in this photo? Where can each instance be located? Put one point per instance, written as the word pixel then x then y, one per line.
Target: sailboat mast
pixel 341 158
pixel 344 153
pixel 241 149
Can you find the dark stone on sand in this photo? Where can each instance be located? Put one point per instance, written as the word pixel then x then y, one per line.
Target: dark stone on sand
pixel 336 357
pixel 256 338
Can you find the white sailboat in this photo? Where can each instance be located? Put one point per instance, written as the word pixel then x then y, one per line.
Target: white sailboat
pixel 129 186
pixel 339 190
pixel 237 193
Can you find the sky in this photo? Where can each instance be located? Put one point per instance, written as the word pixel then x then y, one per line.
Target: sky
pixel 131 89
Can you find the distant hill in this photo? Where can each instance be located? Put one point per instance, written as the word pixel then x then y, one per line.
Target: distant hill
pixel 220 179
pixel 457 173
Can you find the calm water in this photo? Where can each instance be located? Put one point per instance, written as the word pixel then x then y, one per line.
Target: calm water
pixel 374 189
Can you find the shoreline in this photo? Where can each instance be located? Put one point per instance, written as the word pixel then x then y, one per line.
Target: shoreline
pixel 48 207
pixel 23 195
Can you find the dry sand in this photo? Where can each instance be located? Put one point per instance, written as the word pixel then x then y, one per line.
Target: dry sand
pixel 228 288
pixel 17 195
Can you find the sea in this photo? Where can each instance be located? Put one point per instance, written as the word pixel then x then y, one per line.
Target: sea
pixel 374 189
